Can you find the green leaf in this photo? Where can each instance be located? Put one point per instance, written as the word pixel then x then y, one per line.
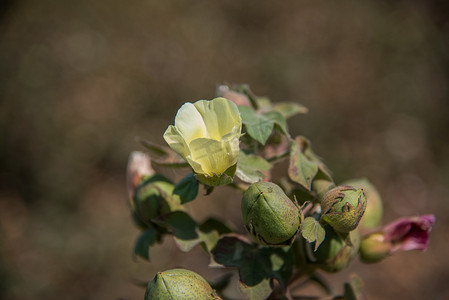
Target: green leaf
pixel 276 147
pixel 183 227
pixel 353 289
pixel 212 224
pixel 187 233
pixel 209 239
pixel 278 119
pixel 289 109
pixel 187 188
pixel 250 167
pixel 244 89
pixel 257 125
pixel 302 195
pixel 313 231
pixel 259 291
pixel 143 243
pixel 308 152
pixel 235 251
pixel 322 183
pixel 264 104
pixel 146 179
pixel 255 264
pixel 222 282
pixel 163 156
pixel 210 231
pixel 301 169
pixel 153 148
pixel 281 263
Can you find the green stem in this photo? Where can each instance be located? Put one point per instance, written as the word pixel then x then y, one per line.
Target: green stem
pixel 278 157
pixel 240 186
pixel 323 283
pixel 318 279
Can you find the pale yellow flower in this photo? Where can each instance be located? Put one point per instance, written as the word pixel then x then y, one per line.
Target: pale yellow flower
pixel 206 134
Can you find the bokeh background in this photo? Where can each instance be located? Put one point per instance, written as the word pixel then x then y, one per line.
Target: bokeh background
pixel 80 80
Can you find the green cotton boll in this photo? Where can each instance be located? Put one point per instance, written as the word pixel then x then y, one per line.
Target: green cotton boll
pixel 154 197
pixel 179 284
pixel 374 208
pixel 269 215
pixel 337 250
pixel 343 207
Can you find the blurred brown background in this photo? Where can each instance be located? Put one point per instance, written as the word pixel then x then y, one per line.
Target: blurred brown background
pixel 79 80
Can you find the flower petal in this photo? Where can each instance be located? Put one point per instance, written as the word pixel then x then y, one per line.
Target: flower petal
pixel 213 156
pixel 190 123
pixel 220 116
pixel 409 233
pixel 195 166
pixel 175 140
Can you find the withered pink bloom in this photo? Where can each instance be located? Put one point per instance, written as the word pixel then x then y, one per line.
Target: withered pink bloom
pixel 405 234
pixel 238 98
pixel 139 164
pixel 411 233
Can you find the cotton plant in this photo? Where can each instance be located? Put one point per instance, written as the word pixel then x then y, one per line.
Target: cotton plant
pixel 297 226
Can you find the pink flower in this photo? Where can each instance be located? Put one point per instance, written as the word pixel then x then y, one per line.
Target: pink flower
pixel 410 233
pixel 405 234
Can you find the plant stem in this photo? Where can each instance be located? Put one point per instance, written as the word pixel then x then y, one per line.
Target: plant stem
pixel 239 186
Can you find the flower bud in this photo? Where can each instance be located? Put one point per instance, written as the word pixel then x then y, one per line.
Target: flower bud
pixel 139 166
pixel 343 207
pixel 206 134
pixel 237 97
pixel 336 251
pixel 374 208
pixel 402 235
pixel 269 215
pixel 373 248
pixel 154 197
pixel 179 284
